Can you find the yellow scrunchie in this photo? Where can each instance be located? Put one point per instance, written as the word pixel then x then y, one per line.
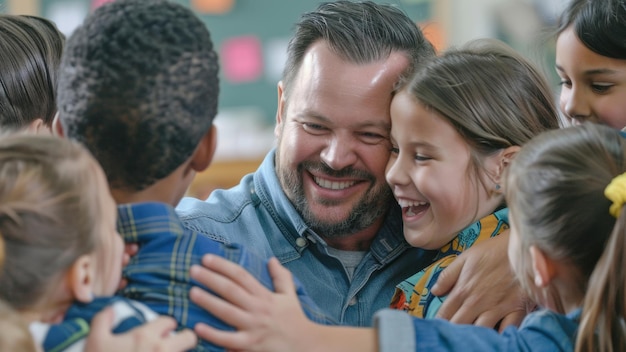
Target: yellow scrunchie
pixel 616 193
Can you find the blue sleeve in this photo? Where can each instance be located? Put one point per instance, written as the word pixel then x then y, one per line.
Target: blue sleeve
pixel 65 334
pixel 77 321
pixel 398 331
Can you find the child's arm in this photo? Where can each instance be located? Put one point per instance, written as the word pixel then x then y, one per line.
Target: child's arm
pixel 274 321
pixel 266 321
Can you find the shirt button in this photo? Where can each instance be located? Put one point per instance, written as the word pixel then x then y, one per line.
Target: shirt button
pixel 300 242
pixel 353 301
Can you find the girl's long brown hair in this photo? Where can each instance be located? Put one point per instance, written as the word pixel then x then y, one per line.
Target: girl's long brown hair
pixel 555 191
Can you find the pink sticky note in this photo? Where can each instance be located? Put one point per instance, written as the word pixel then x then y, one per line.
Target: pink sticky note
pixel 97 3
pixel 242 59
pixel 215 7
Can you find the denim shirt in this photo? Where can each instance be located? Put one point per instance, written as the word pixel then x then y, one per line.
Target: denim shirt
pixel 258 214
pixel 542 330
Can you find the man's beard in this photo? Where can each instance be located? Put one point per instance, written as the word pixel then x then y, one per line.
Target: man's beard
pixel 371 207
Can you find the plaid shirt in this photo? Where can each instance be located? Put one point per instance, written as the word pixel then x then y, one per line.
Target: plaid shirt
pixel 158 275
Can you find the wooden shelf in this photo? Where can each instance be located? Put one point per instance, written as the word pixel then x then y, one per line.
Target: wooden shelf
pixel 221 174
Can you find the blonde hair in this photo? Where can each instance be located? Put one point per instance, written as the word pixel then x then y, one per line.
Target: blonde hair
pixel 14 334
pixel 48 213
pixel 555 191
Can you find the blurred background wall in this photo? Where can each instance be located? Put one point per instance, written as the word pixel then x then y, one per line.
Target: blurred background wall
pixel 251 38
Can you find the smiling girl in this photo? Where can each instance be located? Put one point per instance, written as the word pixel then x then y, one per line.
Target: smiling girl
pixel 591 61
pixel 455 127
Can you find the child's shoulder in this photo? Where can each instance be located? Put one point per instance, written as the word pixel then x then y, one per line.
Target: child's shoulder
pixel 561 328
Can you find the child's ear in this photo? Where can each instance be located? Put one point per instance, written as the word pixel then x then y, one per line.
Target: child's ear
pixel 57 128
pixel 202 156
pixel 506 157
pixel 36 125
pixel 543 266
pixel 80 278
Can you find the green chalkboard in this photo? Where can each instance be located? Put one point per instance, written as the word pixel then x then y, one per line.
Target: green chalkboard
pixel 271 21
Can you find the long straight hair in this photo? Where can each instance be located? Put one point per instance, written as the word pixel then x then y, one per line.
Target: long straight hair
pixel 555 191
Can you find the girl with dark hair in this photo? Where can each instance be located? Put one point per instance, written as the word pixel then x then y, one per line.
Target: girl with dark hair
pixel 30 53
pixel 591 61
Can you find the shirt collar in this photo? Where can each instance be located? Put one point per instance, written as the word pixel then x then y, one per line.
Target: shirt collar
pixel 148 218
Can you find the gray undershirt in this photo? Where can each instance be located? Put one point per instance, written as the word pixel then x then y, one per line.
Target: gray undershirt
pixel 349 259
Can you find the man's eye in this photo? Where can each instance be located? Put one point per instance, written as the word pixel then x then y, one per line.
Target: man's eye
pixel 313 127
pixel 372 137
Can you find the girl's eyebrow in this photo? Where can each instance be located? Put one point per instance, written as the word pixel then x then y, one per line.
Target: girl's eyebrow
pixel 600 71
pixel 595 71
pixel 421 144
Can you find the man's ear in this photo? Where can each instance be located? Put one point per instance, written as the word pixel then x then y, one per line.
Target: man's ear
pixel 1 253
pixel 543 266
pixel 57 127
pixel 202 156
pixel 80 278
pixel 279 110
